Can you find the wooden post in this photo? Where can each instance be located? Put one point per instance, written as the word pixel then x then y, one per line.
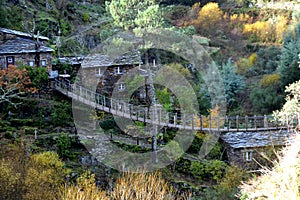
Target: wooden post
pixel 228 123
pixel 218 123
pixel 237 123
pixel 246 121
pixel 265 121
pixel 183 120
pixel 193 117
pixel 175 119
pixel 255 124
pixel 159 116
pixel 210 122
pixel 201 122
pixel 287 122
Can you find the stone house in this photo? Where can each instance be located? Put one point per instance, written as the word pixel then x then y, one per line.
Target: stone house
pixel 106 71
pixel 18 48
pixel 247 150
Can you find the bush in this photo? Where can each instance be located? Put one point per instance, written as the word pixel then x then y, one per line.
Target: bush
pixel 265 100
pixel 61 113
pixel 38 75
pixel 208 18
pixel 271 80
pixel 86 17
pixel 208 170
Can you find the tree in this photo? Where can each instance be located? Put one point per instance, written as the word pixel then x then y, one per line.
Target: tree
pixel 135 13
pixel 14 83
pixel 288 68
pixel 232 81
pixel 209 16
pixel 291 108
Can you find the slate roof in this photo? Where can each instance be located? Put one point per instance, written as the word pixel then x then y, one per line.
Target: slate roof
pixel 21 34
pixel 101 60
pixel 20 46
pixel 237 140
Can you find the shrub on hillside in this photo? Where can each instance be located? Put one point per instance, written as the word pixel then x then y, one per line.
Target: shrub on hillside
pixel 209 17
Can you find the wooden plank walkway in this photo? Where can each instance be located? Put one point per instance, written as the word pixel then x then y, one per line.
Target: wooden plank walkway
pixel 184 121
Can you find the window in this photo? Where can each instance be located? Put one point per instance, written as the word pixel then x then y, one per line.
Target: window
pixel 99 72
pixel 121 87
pixel 10 61
pixel 247 155
pixel 44 63
pixel 31 63
pixel 119 70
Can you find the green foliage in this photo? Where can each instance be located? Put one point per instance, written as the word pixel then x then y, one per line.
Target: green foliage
pixel 288 68
pixel 135 13
pixel 208 170
pixel 86 17
pixel 265 100
pixel 233 82
pixel 63 144
pixel 267 60
pixel 3 16
pixel 164 98
pixel 107 32
pixel 61 113
pixel 38 75
pixel 65 27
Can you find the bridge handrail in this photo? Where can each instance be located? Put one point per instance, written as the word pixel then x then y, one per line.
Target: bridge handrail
pixel 178 119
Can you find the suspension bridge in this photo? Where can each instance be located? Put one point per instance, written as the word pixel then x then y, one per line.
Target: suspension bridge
pixel 178 120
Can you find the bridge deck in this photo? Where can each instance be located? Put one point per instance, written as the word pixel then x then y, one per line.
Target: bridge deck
pixel 171 120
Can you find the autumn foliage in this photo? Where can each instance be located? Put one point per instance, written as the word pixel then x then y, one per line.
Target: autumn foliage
pixel 209 16
pixel 14 82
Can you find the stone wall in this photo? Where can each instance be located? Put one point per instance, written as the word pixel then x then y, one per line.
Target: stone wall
pixel 237 157
pixel 24 59
pixel 106 82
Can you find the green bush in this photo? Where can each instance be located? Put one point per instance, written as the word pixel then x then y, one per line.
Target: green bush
pixel 61 113
pixel 86 17
pixel 63 144
pixel 212 170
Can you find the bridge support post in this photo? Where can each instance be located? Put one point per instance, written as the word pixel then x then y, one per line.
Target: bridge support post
pixel 246 121
pixel 237 123
pixel 255 123
pixel 201 122
pixel 193 117
pixel 265 121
